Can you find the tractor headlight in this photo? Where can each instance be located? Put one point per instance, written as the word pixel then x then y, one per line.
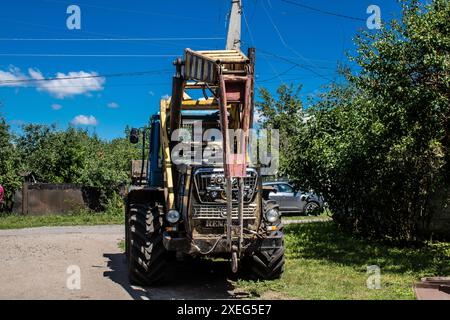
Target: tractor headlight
pixel 173 216
pixel 272 215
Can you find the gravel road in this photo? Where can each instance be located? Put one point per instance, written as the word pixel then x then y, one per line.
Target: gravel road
pixel 34 265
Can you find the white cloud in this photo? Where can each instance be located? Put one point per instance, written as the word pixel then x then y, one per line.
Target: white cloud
pixel 113 105
pixel 56 106
pixel 64 85
pixel 8 77
pixel 84 120
pixel 80 83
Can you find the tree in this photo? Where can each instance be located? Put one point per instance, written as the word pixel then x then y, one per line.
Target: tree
pixel 9 178
pixel 75 156
pixel 377 147
pixel 284 113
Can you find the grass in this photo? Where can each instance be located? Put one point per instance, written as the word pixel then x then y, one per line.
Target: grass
pixel 13 221
pixel 324 215
pixel 121 245
pixel 322 262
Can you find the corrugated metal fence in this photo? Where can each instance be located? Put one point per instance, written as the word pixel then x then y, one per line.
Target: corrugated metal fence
pixel 45 198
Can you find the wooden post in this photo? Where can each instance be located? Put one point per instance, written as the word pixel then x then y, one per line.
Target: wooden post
pixel 25 198
pixel 234 29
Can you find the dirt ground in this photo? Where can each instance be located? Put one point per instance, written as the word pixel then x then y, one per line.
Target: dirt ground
pixel 34 265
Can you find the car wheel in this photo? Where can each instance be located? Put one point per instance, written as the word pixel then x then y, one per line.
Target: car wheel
pixel 312 208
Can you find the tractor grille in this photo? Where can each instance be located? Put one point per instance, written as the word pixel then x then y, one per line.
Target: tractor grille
pixel 220 212
pixel 210 185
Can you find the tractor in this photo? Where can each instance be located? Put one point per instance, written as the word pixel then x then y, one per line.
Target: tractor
pixel 194 191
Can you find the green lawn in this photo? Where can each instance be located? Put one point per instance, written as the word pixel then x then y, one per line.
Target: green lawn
pixel 121 245
pixel 326 214
pixel 297 217
pixel 326 263
pixel 12 221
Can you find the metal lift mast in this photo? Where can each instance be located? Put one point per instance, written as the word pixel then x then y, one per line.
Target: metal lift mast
pixel 231 76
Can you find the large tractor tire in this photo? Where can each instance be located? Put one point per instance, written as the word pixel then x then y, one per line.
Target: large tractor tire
pixel 127 233
pixel 147 256
pixel 264 263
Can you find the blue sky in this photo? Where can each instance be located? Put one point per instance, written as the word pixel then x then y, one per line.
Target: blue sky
pixel 294 44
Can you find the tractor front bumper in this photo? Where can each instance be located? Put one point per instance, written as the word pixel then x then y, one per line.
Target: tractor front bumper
pixel 217 245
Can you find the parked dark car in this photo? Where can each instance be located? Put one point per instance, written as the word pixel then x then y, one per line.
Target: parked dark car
pixel 291 200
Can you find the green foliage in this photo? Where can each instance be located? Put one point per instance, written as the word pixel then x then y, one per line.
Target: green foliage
pixel 66 156
pixel 8 164
pixel 54 156
pixel 283 113
pixel 377 146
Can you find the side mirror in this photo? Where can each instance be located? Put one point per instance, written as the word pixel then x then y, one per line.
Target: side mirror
pixel 134 136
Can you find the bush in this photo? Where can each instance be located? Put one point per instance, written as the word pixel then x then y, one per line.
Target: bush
pixel 73 156
pixel 9 178
pixel 377 146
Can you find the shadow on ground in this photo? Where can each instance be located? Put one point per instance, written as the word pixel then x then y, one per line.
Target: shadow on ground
pixel 191 279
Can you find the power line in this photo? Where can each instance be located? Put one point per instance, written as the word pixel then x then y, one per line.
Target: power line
pixel 140 12
pixel 290 48
pixel 252 39
pixel 254 11
pixel 278 75
pixel 278 57
pixel 294 63
pixel 323 11
pixel 122 74
pixel 54 55
pixel 292 78
pixel 112 39
pixel 115 85
pixel 103 35
pixel 316 60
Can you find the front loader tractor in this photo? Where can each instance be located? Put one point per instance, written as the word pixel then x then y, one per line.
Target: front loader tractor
pixel 197 194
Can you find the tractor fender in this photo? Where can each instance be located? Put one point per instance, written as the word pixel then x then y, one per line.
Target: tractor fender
pixel 145 195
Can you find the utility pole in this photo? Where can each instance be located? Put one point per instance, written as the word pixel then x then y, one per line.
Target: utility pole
pixel 234 28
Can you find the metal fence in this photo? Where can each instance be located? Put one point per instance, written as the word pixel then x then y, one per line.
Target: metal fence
pixel 44 198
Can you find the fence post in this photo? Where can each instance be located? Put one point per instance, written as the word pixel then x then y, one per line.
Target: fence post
pixel 24 198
